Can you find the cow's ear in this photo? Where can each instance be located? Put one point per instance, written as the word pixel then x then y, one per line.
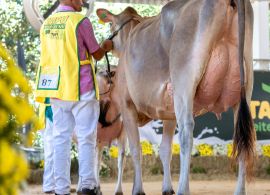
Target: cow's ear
pixel 104 15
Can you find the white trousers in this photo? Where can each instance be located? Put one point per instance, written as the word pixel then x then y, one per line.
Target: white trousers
pixel 48 177
pixel 83 116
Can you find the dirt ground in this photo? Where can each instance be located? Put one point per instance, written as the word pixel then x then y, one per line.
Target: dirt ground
pixel 224 187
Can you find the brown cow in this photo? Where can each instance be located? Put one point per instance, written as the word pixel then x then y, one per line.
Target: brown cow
pixel 204 47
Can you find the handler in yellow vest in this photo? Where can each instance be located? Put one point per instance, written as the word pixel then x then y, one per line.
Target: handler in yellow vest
pixel 66 75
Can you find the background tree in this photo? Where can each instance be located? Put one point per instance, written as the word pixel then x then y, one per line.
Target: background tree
pixel 14 26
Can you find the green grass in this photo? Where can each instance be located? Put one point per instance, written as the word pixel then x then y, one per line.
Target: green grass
pixel 197 170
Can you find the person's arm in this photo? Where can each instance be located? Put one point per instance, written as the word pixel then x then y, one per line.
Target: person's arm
pixel 86 30
pixel 107 45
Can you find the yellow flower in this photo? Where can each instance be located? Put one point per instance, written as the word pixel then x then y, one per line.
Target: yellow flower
pixel 41 164
pixel 3 118
pixel 146 148
pixel 8 158
pixel 14 73
pixel 205 150
pixel 17 106
pixel 24 113
pixel 113 152
pixel 14 88
pixel 175 149
pixel 229 150
pixel 3 190
pixel 266 150
pixel 18 79
pixel 13 169
pixel 21 169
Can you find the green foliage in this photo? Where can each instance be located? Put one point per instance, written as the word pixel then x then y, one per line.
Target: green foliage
pixel 155 170
pixel 197 170
pixel 37 140
pixel 104 170
pixel 268 170
pixel 14 27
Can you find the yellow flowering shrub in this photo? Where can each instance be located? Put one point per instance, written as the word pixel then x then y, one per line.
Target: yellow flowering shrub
pixel 229 150
pixel 266 150
pixel 147 148
pixel 14 112
pixel 113 152
pixel 175 149
pixel 205 150
pixel 41 164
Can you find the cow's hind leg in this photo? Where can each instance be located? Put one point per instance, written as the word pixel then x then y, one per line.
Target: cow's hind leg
pixel 184 80
pixel 242 173
pixel 183 105
pixel 241 181
pixel 186 126
pixel 129 114
pixel 165 153
pixel 121 157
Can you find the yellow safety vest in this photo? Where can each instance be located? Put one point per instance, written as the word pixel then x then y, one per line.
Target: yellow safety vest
pixel 58 74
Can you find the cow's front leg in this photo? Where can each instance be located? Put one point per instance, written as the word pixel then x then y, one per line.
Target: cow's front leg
pixel 184 115
pixel 129 119
pixel 121 159
pixel 165 153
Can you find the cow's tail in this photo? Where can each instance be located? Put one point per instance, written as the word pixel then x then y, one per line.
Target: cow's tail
pixel 244 134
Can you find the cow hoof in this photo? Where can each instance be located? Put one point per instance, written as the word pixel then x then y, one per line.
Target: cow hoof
pixel 119 193
pixel 168 193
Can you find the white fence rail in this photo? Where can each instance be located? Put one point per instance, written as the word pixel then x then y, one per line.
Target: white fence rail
pixel 261 64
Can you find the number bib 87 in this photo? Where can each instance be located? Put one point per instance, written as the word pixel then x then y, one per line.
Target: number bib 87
pixel 49 78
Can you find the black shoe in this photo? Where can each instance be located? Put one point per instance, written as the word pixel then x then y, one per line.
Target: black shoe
pixel 86 191
pixel 49 192
pixel 62 194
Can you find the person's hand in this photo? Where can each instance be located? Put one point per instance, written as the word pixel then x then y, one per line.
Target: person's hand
pixel 107 45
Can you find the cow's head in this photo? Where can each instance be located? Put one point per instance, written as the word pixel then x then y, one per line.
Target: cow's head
pixel 121 25
pixel 106 83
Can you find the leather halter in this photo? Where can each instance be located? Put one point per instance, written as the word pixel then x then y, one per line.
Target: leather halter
pixel 109 76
